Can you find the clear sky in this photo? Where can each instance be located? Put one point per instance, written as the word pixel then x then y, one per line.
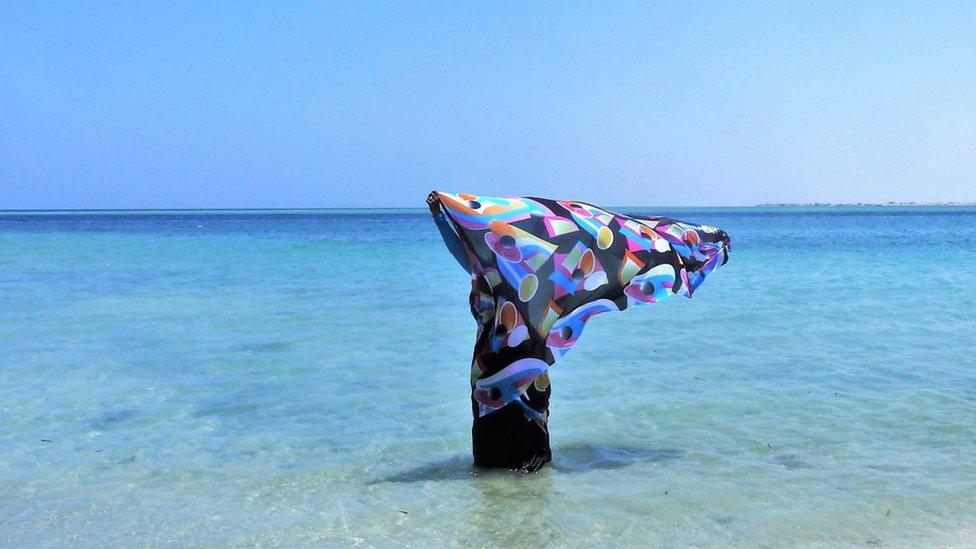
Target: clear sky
pixel 159 104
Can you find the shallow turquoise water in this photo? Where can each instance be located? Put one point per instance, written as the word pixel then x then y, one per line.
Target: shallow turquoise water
pixel 299 377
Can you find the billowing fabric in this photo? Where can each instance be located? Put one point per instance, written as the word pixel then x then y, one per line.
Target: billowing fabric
pixel 540 269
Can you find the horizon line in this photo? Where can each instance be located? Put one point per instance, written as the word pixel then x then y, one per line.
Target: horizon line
pixel 292 209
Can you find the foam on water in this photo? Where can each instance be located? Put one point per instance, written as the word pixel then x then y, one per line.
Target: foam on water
pixel 220 378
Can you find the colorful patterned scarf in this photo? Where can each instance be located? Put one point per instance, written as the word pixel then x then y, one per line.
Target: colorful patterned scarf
pixel 540 269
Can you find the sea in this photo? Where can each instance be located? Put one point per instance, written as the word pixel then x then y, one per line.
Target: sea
pixel 300 377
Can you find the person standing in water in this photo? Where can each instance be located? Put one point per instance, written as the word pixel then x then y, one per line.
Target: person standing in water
pixel 540 269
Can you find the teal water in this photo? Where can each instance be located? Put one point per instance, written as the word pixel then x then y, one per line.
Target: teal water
pixel 232 378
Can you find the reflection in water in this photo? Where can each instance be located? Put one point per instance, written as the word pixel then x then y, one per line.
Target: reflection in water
pixel 507 513
pixel 529 512
pixel 576 458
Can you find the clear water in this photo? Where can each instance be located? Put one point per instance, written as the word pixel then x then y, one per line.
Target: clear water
pixel 300 377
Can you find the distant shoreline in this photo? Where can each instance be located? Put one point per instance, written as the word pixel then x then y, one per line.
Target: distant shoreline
pixel 856 204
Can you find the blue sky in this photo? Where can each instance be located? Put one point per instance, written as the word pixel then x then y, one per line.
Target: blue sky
pixel 135 105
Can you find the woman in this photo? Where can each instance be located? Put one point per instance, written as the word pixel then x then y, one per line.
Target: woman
pixel 539 270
